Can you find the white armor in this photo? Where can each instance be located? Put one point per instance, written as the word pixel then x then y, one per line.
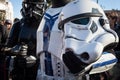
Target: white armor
pixel 81 31
pixel 60 72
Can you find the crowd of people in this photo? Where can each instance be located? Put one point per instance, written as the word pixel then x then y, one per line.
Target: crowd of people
pixel 114 20
pixel 25 55
pixel 5 28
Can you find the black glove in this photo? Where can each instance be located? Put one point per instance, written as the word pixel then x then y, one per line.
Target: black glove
pixel 20 49
pixel 16 50
pixel 73 63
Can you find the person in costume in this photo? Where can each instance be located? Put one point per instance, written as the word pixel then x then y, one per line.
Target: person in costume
pixel 72 40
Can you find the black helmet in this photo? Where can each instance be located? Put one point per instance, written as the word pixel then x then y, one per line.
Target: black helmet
pixel 33 8
pixel 8 21
pixel 59 3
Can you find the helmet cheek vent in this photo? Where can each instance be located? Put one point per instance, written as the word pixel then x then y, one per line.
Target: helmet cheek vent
pixel 102 22
pixel 93 27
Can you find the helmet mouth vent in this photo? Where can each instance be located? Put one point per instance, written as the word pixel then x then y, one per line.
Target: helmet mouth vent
pixel 85 56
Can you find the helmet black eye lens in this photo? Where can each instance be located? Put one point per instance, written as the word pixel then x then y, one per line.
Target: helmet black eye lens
pixel 81 21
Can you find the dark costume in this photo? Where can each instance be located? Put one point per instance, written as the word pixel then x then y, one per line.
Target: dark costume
pixel 3 36
pixel 23 34
pixel 22 41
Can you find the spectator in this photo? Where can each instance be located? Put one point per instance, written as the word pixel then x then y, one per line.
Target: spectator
pixel 3 75
pixel 2 22
pixel 114 19
pixel 8 25
pixel 16 20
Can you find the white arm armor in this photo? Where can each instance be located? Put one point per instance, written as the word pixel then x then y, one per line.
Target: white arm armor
pixel 104 63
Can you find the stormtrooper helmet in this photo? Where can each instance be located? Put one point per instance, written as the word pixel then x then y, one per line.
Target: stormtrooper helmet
pixel 86 30
pixel 79 12
pixel 78 15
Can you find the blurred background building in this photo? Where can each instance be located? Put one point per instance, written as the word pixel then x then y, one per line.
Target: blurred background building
pixel 6 10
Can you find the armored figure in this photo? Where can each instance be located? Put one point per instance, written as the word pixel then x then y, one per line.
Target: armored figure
pixel 21 42
pixel 72 40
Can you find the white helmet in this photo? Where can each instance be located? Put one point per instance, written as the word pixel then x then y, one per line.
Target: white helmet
pixel 80 9
pixel 86 30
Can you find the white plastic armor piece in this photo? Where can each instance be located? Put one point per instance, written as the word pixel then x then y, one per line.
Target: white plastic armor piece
pixel 104 63
pixel 60 72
